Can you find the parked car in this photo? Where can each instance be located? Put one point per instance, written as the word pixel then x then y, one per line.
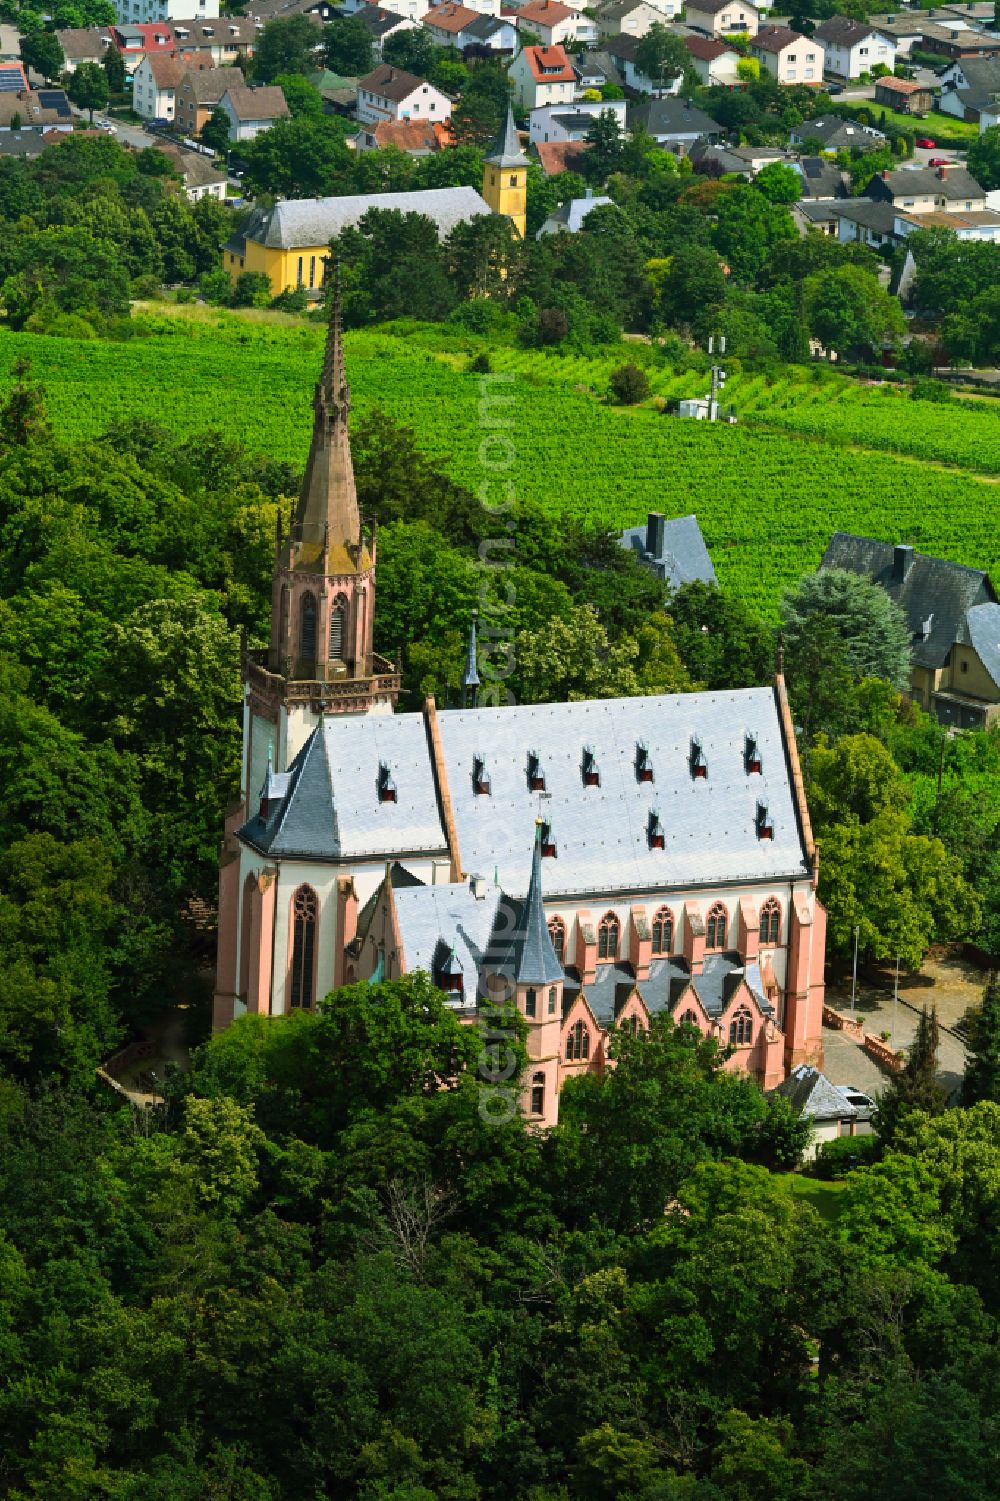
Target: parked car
pixel 834 88
pixel 925 143
pixel 863 1103
pixel 941 161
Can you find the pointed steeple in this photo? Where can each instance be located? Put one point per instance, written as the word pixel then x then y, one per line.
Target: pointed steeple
pixel 470 677
pixel 506 149
pixel 532 959
pixel 327 521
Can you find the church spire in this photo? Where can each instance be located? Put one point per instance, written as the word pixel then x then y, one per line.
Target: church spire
pixel 327 520
pixel 470 677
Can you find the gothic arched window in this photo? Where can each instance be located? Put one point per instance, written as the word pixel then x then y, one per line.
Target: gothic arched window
pixel 338 618
pixel 578 1042
pixel 246 936
pixel 741 1028
pixel 531 1002
pixel 553 998
pixel 303 978
pixel 307 628
pixel 608 936
pixel 689 1018
pixel 663 931
pixel 557 932
pixel 717 927
pixel 770 920
pixel 538 1094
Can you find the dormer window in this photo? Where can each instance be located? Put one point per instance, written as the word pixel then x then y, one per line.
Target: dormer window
pixel 751 754
pixel 765 824
pixel 643 764
pixel 386 785
pixel 536 776
pixel 547 842
pixel 591 775
pixel 696 760
pixel 654 832
pixel 480 777
pixel 449 975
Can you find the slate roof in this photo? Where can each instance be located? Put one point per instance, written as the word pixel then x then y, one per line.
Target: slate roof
pixel 672 117
pixel 936 595
pixel 506 149
pixel 811 1094
pixel 391 83
pixel 601 832
pixel 433 920
pixel 379 21
pixel 880 218
pixel 835 134
pixel 571 214
pixel 843 32
pixel 332 810
pixel 597 64
pixel 314 221
pixel 918 182
pixel 821 179
pixel 484 27
pixel 667 982
pixel 981 631
pixel 684 556
pixel 522 945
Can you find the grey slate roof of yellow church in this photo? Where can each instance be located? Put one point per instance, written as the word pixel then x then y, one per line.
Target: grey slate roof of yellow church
pixel 314 221
pixel 332 811
pixel 506 149
pixel 935 594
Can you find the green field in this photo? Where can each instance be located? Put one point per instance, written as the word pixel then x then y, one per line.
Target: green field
pixel 824 1197
pixel 767 500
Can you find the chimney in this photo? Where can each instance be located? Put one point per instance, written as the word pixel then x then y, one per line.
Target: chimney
pixel 655 531
pixel 885 175
pixel 902 560
pixel 588 192
pixel 942 172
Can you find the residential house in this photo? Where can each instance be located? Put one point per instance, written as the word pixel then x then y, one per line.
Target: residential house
pixel 83 44
pixel 926 189
pixel 202 178
pixel 787 55
pixel 560 156
pixel 624 52
pixel 569 217
pixel 632 17
pixel 389 93
pixel 490 36
pixel 540 76
pixel 35 110
pixel 854 47
pixel 228 39
pixel 954 620
pixel 571 122
pixel 318 11
pixel 743 161
pixel 157 80
pixel 833 133
pixel 722 18
pixel 904 95
pixel 252 111
pixel 905 30
pixel 674 123
pixel 135 41
pixel 290 242
pixel 13 78
pixel 381 23
pixel 827 1107
pixel 416 137
pixel 712 60
pixel 970 87
pixel 821 178
pixel 338 92
pixel 958 44
pixel 447 21
pixel 554 23
pixel 979 224
pixel 199 93
pixel 144 12
pixel 672 548
pixel 595 69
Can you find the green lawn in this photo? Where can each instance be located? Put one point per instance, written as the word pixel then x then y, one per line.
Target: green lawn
pixel 824 1197
pixel 936 126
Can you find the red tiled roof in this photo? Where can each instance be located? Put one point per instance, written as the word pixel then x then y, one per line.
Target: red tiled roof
pixel 549 64
pixel 560 156
pixel 407 135
pixel 545 13
pixel 450 17
pixel 705 47
pixel 900 85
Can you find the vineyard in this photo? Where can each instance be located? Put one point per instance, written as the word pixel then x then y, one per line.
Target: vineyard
pixel 767 500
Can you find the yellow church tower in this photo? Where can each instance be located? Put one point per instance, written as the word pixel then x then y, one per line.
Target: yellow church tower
pixel 505 176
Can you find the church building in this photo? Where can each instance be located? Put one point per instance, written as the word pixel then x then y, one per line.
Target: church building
pixel 596 861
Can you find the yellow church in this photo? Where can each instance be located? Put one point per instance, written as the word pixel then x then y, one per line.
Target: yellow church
pixel 290 241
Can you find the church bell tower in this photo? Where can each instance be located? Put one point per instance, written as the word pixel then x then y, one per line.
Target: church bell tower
pixel 320 658
pixel 505 176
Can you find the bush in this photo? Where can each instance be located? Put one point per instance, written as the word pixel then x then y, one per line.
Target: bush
pixel 835 1159
pixel 291 300
pixel 145 286
pixel 252 289
pixel 216 287
pixel 480 365
pixel 628 384
pixel 932 390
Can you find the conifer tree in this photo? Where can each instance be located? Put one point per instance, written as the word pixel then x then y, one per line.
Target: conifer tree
pixel 982 1071
pixel 915 1087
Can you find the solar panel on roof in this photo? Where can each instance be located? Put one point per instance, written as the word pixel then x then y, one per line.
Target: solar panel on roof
pixel 54 99
pixel 11 79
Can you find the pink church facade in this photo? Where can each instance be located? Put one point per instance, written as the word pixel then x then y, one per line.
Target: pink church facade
pixel 674 869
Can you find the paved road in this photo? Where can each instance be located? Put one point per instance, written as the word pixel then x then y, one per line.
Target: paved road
pixel 951 993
